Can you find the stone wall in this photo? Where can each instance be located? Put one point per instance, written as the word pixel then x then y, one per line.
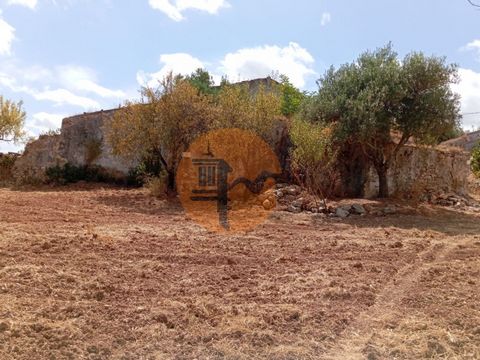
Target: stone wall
pixel 38 156
pixel 79 131
pixel 71 145
pixel 418 171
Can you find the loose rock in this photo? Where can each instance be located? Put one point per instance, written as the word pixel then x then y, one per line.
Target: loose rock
pixel 341 212
pixel 357 209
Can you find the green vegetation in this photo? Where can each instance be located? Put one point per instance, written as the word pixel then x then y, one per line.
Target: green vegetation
pixel 378 103
pixel 314 157
pixel 370 107
pixel 69 173
pixel 292 98
pixel 166 120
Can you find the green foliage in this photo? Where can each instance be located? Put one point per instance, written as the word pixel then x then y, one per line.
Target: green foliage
pixel 167 119
pixel 312 144
pixel 69 173
pixel 203 81
pixel 292 98
pixel 475 161
pixel 378 103
pixel 12 120
pixel 148 168
pixel 453 133
pixel 237 107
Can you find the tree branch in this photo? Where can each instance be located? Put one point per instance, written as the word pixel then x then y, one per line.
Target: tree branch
pixel 473 4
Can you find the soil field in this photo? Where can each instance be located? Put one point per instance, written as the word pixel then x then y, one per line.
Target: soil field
pixel 92 272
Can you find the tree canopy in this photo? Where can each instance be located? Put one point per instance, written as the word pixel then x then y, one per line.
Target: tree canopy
pixel 378 103
pixel 12 120
pixel 166 120
pixel 162 123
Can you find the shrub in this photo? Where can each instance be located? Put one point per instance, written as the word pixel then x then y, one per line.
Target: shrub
pixel 314 157
pixel 149 167
pixel 69 173
pixel 6 166
pixel 475 161
pixel 157 185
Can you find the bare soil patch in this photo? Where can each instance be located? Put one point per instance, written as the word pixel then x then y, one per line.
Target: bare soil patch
pixel 103 272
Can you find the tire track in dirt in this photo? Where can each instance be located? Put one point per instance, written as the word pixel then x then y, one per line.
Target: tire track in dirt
pixel 352 343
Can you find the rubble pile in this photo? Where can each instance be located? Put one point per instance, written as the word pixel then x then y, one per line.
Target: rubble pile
pixel 293 199
pixel 456 200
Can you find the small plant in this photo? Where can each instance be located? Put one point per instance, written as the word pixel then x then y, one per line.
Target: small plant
pixel 51 132
pixel 475 161
pixel 148 168
pixel 157 185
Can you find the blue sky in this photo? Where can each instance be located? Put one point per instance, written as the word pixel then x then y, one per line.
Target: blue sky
pixel 64 57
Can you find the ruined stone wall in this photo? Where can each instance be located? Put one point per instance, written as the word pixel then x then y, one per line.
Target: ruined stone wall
pixel 37 157
pixel 79 132
pixel 71 145
pixel 417 171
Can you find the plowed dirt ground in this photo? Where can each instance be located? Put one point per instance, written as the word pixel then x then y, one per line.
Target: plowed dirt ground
pixel 98 272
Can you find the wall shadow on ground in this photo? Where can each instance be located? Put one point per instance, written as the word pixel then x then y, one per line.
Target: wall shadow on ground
pixel 443 220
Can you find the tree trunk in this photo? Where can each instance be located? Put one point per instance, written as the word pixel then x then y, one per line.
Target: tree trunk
pixel 382 180
pixel 170 182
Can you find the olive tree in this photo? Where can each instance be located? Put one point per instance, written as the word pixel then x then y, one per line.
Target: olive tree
pixel 378 103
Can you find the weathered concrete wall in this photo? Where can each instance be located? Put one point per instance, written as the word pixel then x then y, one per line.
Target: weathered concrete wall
pixel 418 171
pixel 71 145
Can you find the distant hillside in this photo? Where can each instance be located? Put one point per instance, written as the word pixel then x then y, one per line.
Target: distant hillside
pixel 466 142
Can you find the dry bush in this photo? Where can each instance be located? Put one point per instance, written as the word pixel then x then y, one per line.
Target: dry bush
pixel 7 163
pixel 157 186
pixel 314 158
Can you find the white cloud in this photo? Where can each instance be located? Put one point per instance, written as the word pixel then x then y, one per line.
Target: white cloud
pixel 73 85
pixel 326 18
pixel 84 79
pixel 469 90
pixel 27 3
pixel 174 11
pixel 7 35
pixel 249 63
pixel 179 63
pixel 475 46
pixel 64 97
pixel 11 83
pixel 46 121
